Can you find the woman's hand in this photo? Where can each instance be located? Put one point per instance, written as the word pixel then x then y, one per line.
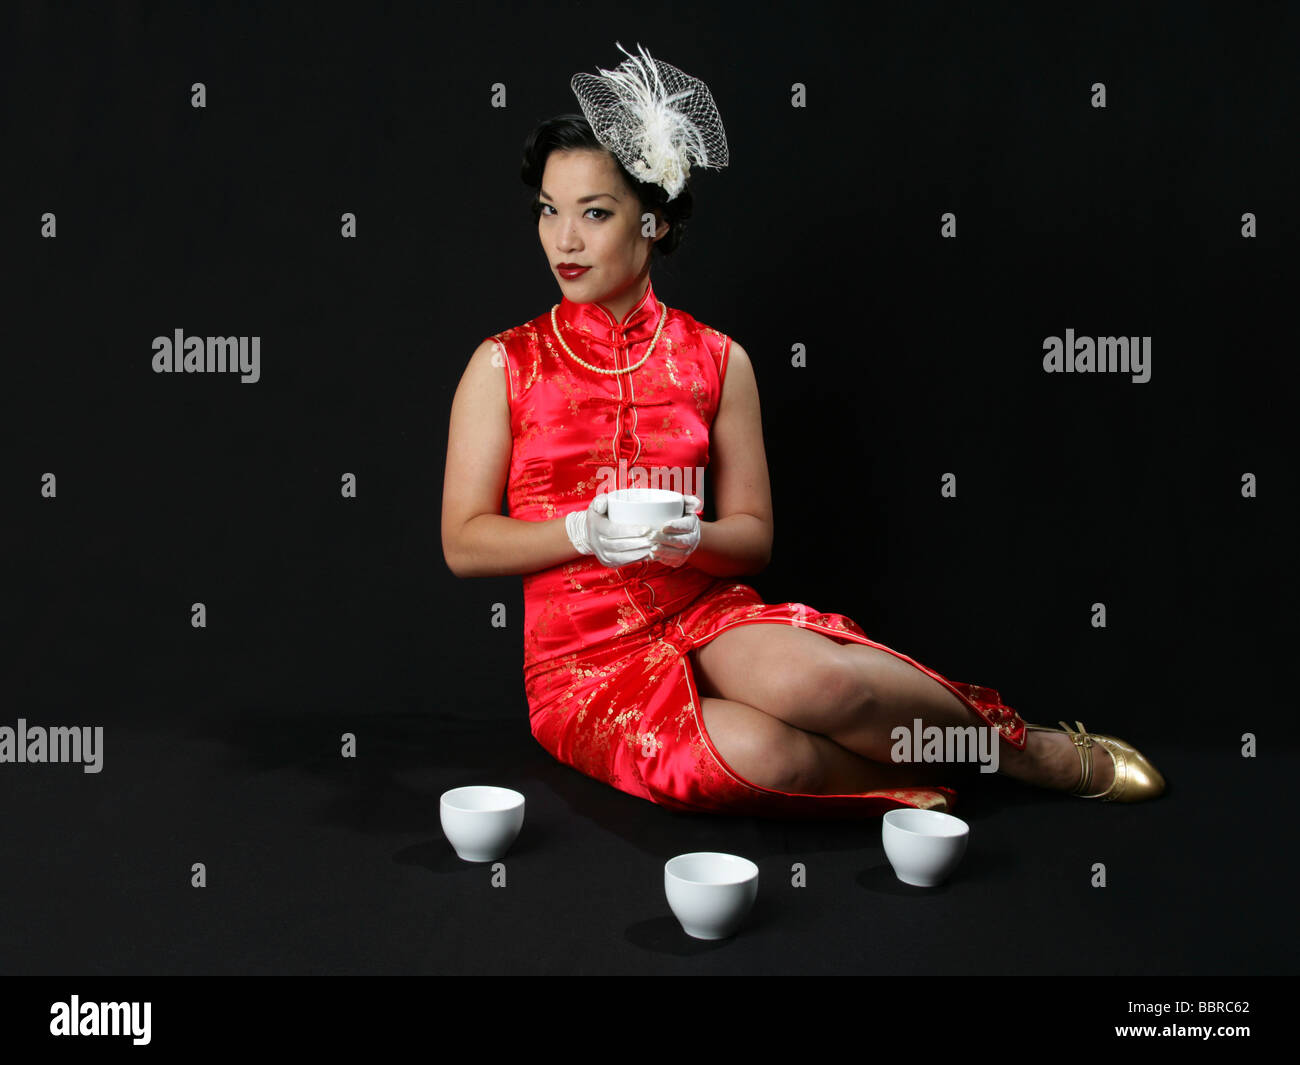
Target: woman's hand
pixel 675 541
pixel 592 533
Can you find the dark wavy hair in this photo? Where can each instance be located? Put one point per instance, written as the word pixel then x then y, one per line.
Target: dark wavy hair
pixel 570 132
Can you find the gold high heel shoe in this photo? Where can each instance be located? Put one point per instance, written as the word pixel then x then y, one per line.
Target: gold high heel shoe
pixel 1136 778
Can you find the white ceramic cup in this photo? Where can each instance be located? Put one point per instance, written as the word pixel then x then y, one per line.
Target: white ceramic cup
pixel 645 506
pixel 709 893
pixel 923 846
pixel 481 822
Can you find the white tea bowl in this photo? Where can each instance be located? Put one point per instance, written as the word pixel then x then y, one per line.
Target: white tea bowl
pixel 645 506
pixel 923 846
pixel 481 822
pixel 709 893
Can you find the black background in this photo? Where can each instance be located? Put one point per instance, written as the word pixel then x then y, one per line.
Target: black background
pixel 328 615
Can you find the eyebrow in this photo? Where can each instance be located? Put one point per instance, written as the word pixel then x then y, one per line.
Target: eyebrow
pixel 586 199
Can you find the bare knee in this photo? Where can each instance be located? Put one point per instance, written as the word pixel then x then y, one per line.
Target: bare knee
pixel 819 692
pixel 856 682
pixel 761 749
pixel 832 695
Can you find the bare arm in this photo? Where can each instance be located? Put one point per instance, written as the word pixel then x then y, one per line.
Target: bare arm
pixel 740 540
pixel 477 539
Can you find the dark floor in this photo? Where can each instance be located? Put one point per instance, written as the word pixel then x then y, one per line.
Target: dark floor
pixel 317 864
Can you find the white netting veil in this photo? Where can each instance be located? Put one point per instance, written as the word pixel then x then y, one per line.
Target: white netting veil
pixel 657 120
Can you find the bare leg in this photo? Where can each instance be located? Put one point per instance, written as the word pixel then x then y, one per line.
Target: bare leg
pixel 772 754
pixel 900 693
pixel 857 695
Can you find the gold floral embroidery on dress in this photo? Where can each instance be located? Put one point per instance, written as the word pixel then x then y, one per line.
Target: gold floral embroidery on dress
pixel 574 390
pixel 593 746
pixel 685 721
pixel 656 438
pixel 540 629
pixel 624 718
pixel 532 475
pixel 706 766
pixel 713 341
pixel 582 567
pixel 534 368
pixel 600 457
pixel 561 700
pixel 586 700
pixel 584 674
pixel 921 798
pixel 554 357
pixel 643 742
pixel 629 618
pixel 701 398
pixel 657 653
pixel 670 363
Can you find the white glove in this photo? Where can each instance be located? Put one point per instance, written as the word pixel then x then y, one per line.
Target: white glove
pixel 592 533
pixel 675 541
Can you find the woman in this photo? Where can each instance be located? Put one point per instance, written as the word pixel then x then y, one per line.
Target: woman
pixel 646 663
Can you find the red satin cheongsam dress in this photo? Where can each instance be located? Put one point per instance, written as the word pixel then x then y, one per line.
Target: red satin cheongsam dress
pixel 609 680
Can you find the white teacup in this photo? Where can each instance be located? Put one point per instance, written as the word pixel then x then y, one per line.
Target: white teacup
pixel 645 506
pixel 923 846
pixel 481 822
pixel 710 893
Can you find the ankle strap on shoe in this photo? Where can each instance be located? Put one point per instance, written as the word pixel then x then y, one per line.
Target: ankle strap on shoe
pixel 1083 746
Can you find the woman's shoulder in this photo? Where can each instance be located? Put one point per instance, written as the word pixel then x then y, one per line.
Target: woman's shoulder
pixel 715 340
pixel 523 331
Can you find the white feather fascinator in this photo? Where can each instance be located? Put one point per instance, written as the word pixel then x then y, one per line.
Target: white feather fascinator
pixel 656 119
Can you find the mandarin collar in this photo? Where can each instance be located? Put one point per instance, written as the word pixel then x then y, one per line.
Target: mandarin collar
pixel 601 333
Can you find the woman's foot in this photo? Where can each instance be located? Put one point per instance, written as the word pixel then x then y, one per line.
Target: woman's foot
pixel 1104 767
pixel 1061 768
pixel 1051 760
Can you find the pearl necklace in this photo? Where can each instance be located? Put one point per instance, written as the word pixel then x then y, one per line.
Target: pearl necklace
pixel 663 317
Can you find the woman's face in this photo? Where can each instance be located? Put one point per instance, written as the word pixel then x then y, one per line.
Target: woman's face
pixel 591 218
